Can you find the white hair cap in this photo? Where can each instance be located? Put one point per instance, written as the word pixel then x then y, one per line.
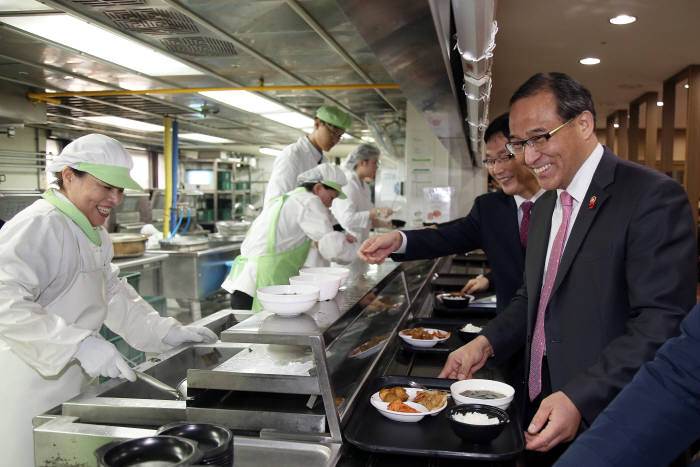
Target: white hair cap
pixel 361 152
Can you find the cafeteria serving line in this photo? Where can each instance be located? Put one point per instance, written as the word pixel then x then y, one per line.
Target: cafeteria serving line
pixel 579 196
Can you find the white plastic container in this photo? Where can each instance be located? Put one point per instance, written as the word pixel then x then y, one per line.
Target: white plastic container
pixel 328 284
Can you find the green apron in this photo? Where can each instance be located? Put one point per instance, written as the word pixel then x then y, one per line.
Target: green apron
pixel 274 268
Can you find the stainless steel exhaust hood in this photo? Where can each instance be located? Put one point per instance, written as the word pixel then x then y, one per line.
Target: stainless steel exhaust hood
pixel 439 53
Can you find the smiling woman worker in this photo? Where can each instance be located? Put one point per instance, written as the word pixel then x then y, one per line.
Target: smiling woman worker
pixel 356 214
pixel 57 288
pixel 278 242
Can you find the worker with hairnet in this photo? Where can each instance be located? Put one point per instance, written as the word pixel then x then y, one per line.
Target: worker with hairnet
pixel 58 286
pixel 356 214
pixel 329 125
pixel 279 239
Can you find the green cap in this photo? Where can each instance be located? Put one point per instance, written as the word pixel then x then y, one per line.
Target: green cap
pixel 113 174
pixel 336 186
pixel 334 116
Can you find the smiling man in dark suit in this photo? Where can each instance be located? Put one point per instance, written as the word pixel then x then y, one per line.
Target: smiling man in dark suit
pixel 609 270
pixel 493 224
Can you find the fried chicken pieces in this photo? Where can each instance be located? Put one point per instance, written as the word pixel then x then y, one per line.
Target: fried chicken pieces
pixel 393 394
pixel 422 333
pixel 431 399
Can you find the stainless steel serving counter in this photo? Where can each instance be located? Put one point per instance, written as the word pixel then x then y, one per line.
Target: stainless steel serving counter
pixel 293 381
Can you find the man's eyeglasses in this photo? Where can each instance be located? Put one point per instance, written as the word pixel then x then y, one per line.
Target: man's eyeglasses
pixel 502 159
pixel 333 130
pixel 536 142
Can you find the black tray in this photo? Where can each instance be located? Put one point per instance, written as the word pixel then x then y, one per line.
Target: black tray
pixel 371 431
pixel 449 282
pixel 470 258
pixel 452 325
pixel 463 312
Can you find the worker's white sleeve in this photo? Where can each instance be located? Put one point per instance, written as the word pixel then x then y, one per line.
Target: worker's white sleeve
pixel 32 260
pixel 334 247
pixel 283 178
pixel 346 211
pixel 133 318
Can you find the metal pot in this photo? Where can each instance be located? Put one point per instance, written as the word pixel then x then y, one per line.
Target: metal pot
pixel 128 245
pixel 228 228
pixel 151 450
pixel 194 243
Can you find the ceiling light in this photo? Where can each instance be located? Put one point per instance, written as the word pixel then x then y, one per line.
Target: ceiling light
pixel 204 138
pixel 293 119
pixel 22 5
pixel 244 100
pixel 659 104
pixel 367 139
pixel 85 37
pixel 270 151
pixel 616 125
pixel 589 61
pixel 623 19
pixel 127 123
pixel 686 85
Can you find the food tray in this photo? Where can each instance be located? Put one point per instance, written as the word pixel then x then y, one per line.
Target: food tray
pixel 433 437
pixel 465 312
pixel 450 325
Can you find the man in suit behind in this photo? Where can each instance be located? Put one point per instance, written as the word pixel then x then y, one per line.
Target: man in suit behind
pixel 493 223
pixel 591 316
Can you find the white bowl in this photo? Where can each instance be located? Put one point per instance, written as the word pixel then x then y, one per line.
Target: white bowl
pixel 424 342
pixel 381 406
pixel 344 273
pixel 482 384
pixel 288 300
pixel 328 284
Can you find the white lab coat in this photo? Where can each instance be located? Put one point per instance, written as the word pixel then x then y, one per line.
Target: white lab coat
pixel 353 212
pixel 57 288
pixel 302 217
pixel 296 158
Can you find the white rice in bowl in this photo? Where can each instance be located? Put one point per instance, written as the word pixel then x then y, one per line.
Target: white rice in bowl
pixel 476 418
pixel 469 327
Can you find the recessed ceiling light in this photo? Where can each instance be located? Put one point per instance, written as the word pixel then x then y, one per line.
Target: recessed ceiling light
pixel 71 32
pixel 589 61
pixel 616 125
pixel 686 85
pixel 127 123
pixel 659 104
pixel 623 19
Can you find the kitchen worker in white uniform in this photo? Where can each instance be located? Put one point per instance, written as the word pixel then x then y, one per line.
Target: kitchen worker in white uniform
pixel 57 288
pixel 356 214
pixel 329 125
pixel 279 239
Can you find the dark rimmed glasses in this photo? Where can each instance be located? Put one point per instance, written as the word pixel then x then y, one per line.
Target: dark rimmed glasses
pixel 500 159
pixel 536 142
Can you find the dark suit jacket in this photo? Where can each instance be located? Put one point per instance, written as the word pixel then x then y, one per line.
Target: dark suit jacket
pixel 656 416
pixel 625 281
pixel 492 225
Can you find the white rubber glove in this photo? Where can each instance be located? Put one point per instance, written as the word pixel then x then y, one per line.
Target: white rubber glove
pixel 181 334
pixel 100 358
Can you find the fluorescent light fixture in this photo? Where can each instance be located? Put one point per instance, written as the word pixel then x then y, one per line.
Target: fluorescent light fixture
pixel 204 138
pixel 367 139
pixel 254 103
pixel 85 37
pixel 589 61
pixel 22 5
pixel 616 125
pixel 270 151
pixel 293 119
pixel 623 19
pixel 659 103
pixel 244 100
pixel 127 123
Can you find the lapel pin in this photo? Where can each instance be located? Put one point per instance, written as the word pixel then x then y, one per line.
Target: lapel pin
pixel 591 202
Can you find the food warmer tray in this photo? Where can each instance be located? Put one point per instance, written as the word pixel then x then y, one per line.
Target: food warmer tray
pixel 463 312
pixel 450 325
pixel 432 437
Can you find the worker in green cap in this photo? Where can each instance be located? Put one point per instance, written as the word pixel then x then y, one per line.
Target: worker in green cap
pixel 329 125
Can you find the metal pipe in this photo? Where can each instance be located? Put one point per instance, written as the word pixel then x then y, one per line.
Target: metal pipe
pixel 51 96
